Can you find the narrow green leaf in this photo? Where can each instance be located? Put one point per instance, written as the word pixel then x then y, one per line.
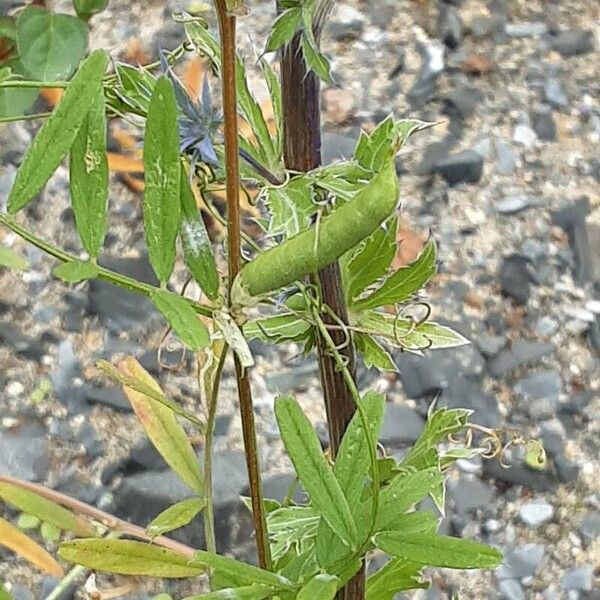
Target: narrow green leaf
pixel 162 168
pixel 315 60
pixel 274 86
pixel 88 176
pixel 320 587
pixel 44 509
pixel 182 318
pixel 162 427
pixel 58 132
pixel 234 337
pixel 176 516
pixel 364 265
pixel 283 29
pixel 397 575
pixel 438 551
pixel 405 282
pixel 12 260
pixel 314 472
pixel 407 335
pixel 76 271
pixel 128 557
pixel 374 355
pixel 248 592
pixel 240 571
pixel 277 329
pixel 50 44
pixel 197 250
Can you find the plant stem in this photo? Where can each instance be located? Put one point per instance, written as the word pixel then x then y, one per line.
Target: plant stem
pixel 133 285
pixel 302 152
pixel 18 83
pixel 33 117
pixel 66 581
pixel 209 513
pixel 227 26
pixel 109 521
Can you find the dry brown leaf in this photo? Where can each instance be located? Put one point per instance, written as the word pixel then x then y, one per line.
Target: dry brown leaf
pixel 120 163
pixel 193 75
pixel 52 95
pixel 15 540
pixel 410 244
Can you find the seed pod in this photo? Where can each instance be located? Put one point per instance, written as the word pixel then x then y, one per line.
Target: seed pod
pixel 323 243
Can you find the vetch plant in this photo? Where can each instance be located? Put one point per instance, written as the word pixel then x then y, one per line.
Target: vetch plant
pixel 321 277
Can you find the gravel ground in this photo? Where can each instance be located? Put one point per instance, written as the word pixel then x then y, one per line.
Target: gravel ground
pixel 507 183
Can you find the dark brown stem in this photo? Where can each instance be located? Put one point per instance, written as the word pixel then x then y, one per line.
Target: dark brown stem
pixel 228 52
pixel 109 521
pixel 302 152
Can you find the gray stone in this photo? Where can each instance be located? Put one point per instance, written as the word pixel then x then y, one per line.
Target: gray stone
pixel 424 87
pixel 555 94
pixel 490 344
pixel 581 578
pixel 510 590
pixel 536 513
pixel 540 391
pixel 23 345
pixel 469 494
pixel 347 24
pixel 466 166
pixel 543 123
pixel 519 30
pixel 520 474
pixel 462 101
pixel 521 561
pixel 24 453
pixel 522 353
pixel 523 134
pixel 515 278
pixel 511 205
pixel 590 526
pixel 467 392
pixel 450 26
pixel 401 424
pixel 572 42
pixel 338 146
pixel 112 397
pixel 546 326
pixel 505 158
pixel 7 178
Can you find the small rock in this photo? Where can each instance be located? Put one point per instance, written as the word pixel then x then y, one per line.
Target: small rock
pixel 541 391
pixel 515 278
pixel 425 85
pixel 510 589
pixel 521 561
pixel 24 453
pixel 347 24
pixel 543 123
pixel 581 578
pixel 113 397
pixel 400 425
pixel 545 326
pixel 520 474
pixel 450 26
pixel 520 30
pixel 462 101
pixel 522 352
pixel 469 494
pixel 466 166
pixel 339 105
pixel 511 205
pixel 525 135
pixel 505 158
pixel 338 146
pixel 572 42
pixel 536 513
pixel 490 345
pixel 30 348
pixel 555 94
pixel 590 526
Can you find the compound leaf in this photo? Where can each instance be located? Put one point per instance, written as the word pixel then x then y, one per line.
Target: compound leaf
pixel 397 575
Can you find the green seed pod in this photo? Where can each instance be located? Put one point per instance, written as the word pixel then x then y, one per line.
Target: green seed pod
pixel 321 244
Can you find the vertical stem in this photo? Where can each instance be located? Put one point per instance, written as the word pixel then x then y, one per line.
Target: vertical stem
pixel 302 152
pixel 227 25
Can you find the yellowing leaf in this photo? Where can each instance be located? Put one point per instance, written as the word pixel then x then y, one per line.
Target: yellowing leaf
pixel 20 544
pixel 128 557
pixel 162 427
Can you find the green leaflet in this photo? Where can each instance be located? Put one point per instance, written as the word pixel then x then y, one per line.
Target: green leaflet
pixel 438 551
pixel 134 89
pixel 397 575
pixel 176 516
pixel 351 469
pixel 12 260
pixel 374 355
pixel 321 244
pixel 163 429
pixel 182 318
pixel 76 271
pixel 312 469
pixel 283 28
pixel 291 206
pixel 241 571
pixel 50 533
pixel 88 8
pixel 88 176
pixel 277 329
pixel 248 592
pixel 370 261
pixel 404 283
pixel 127 557
pixel 403 333
pixel 44 509
pixel 162 167
pixel 320 587
pixel 292 526
pixel 197 250
pixel 58 132
pixel 50 44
